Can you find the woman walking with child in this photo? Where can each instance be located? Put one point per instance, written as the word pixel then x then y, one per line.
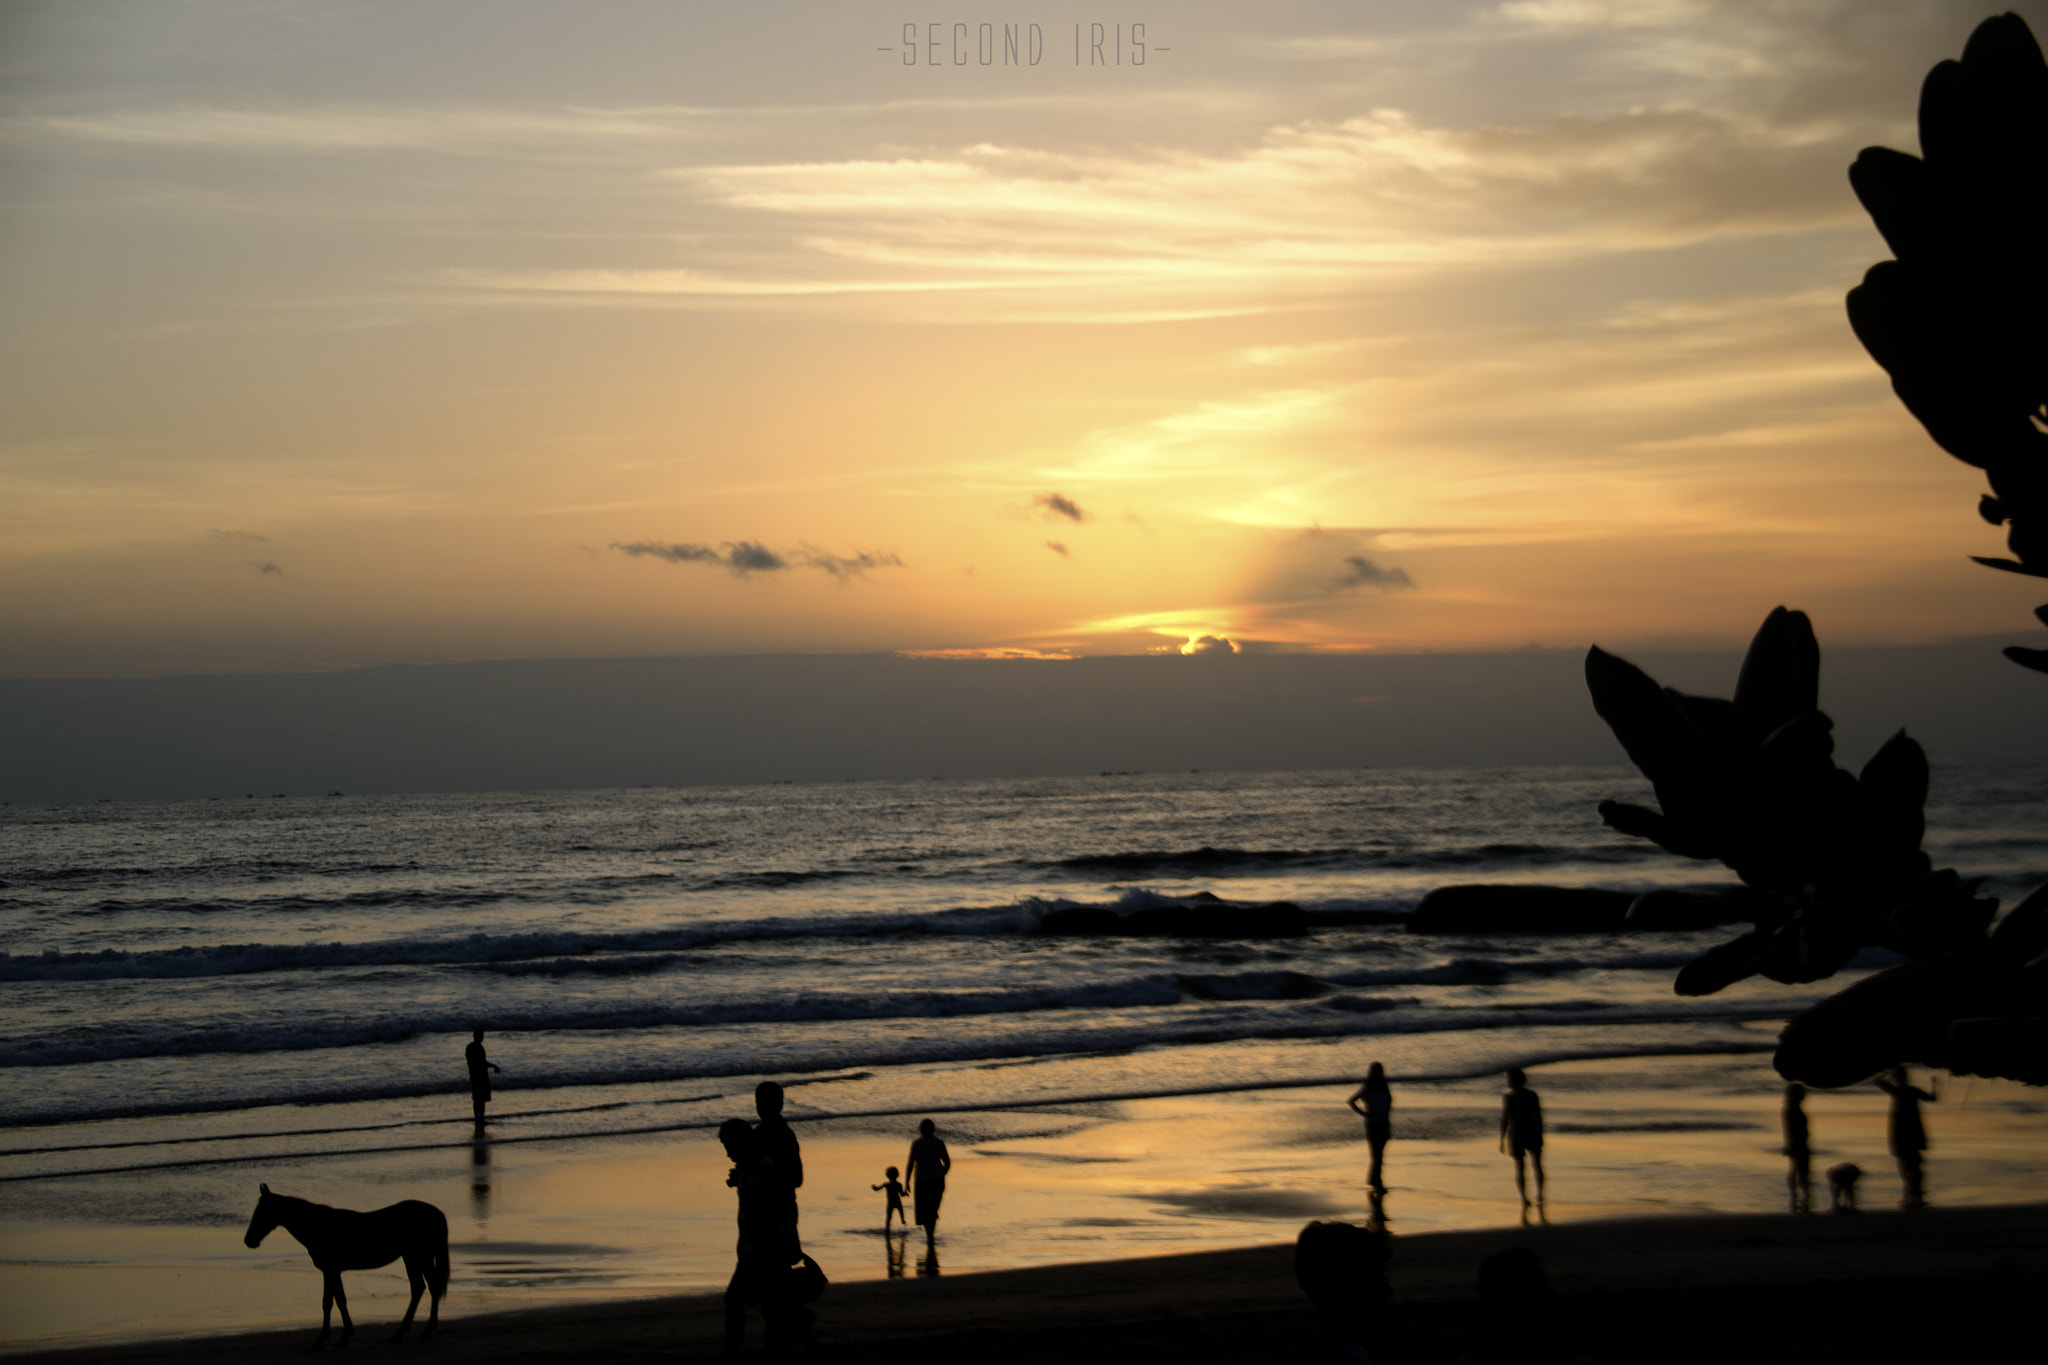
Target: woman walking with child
pixel 925 1173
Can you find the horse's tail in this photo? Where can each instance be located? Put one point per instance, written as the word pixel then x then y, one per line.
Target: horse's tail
pixel 437 1271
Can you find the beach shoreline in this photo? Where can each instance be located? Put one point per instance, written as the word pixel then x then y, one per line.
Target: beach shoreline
pixel 1779 1284
pixel 104 1262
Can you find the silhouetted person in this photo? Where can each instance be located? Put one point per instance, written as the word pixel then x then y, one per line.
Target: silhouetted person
pixel 778 1141
pixel 1375 1102
pixel 1521 1131
pixel 767 1246
pixel 1842 1186
pixel 925 1172
pixel 480 1069
pixel 1342 1269
pixel 1908 1137
pixel 894 1208
pixel 1799 1174
pixel 1515 1301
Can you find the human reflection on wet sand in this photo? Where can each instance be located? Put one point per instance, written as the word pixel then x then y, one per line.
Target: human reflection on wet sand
pixel 1540 1211
pixel 1376 1216
pixel 897 1247
pixel 929 1265
pixel 480 1180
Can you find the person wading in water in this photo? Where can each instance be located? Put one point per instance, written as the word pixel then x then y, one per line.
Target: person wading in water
pixel 480 1069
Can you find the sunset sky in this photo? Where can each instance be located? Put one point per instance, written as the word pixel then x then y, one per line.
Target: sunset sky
pixel 343 334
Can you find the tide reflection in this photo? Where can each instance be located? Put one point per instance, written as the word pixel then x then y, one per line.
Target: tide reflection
pixel 480 1180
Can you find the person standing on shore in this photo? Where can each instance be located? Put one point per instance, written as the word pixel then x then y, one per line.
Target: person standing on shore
pixel 1799 1178
pixel 1908 1137
pixel 480 1069
pixel 925 1173
pixel 778 1141
pixel 767 1246
pixel 1521 1131
pixel 1375 1101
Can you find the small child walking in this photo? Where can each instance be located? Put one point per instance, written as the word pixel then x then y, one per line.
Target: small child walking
pixel 895 1209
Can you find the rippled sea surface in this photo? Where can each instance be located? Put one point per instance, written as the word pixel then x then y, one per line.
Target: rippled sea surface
pixel 204 962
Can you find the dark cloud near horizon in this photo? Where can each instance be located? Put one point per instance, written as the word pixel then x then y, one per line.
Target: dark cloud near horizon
pixel 237 537
pixel 270 567
pixel 743 557
pixel 1060 505
pixel 843 567
pixel 1361 572
pixel 1211 644
pixel 1057 548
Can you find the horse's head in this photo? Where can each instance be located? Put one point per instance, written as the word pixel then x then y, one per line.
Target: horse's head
pixel 269 1212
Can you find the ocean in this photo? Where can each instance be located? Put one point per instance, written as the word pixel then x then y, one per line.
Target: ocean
pixel 190 980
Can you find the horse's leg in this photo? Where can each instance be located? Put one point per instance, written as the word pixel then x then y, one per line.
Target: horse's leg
pixel 417 1278
pixel 348 1326
pixel 328 1281
pixel 437 1285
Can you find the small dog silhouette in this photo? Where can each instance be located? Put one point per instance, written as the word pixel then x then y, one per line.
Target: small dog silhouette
pixel 1842 1186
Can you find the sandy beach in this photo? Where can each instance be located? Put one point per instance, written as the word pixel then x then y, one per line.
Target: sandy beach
pixel 1664 1172
pixel 1938 1284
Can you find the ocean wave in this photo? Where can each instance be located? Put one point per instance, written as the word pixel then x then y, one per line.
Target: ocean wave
pixel 1482 971
pixel 1335 1017
pixel 1274 989
pixel 489 951
pixel 562 952
pixel 1137 992
pixel 1208 861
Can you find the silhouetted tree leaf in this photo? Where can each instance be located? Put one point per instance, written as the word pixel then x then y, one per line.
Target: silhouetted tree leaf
pixel 1893 792
pixel 1718 968
pixel 1658 736
pixel 1780 678
pixel 2023 934
pixel 1893 189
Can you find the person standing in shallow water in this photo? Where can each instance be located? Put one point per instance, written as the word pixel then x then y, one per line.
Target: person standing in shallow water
pixel 1521 1131
pixel 1908 1137
pixel 480 1069
pixel 1375 1101
pixel 925 1173
pixel 1799 1175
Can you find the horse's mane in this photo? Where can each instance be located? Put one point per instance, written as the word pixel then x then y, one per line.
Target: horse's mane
pixel 302 1203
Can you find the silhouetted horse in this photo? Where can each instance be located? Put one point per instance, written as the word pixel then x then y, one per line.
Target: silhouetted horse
pixel 343 1239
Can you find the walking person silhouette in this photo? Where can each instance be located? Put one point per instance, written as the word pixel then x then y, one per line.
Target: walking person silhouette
pixel 480 1069
pixel 1908 1137
pixel 1799 1178
pixel 1521 1131
pixel 925 1172
pixel 1375 1101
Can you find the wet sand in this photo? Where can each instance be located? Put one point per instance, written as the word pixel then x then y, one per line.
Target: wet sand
pixel 601 1226
pixel 1934 1284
